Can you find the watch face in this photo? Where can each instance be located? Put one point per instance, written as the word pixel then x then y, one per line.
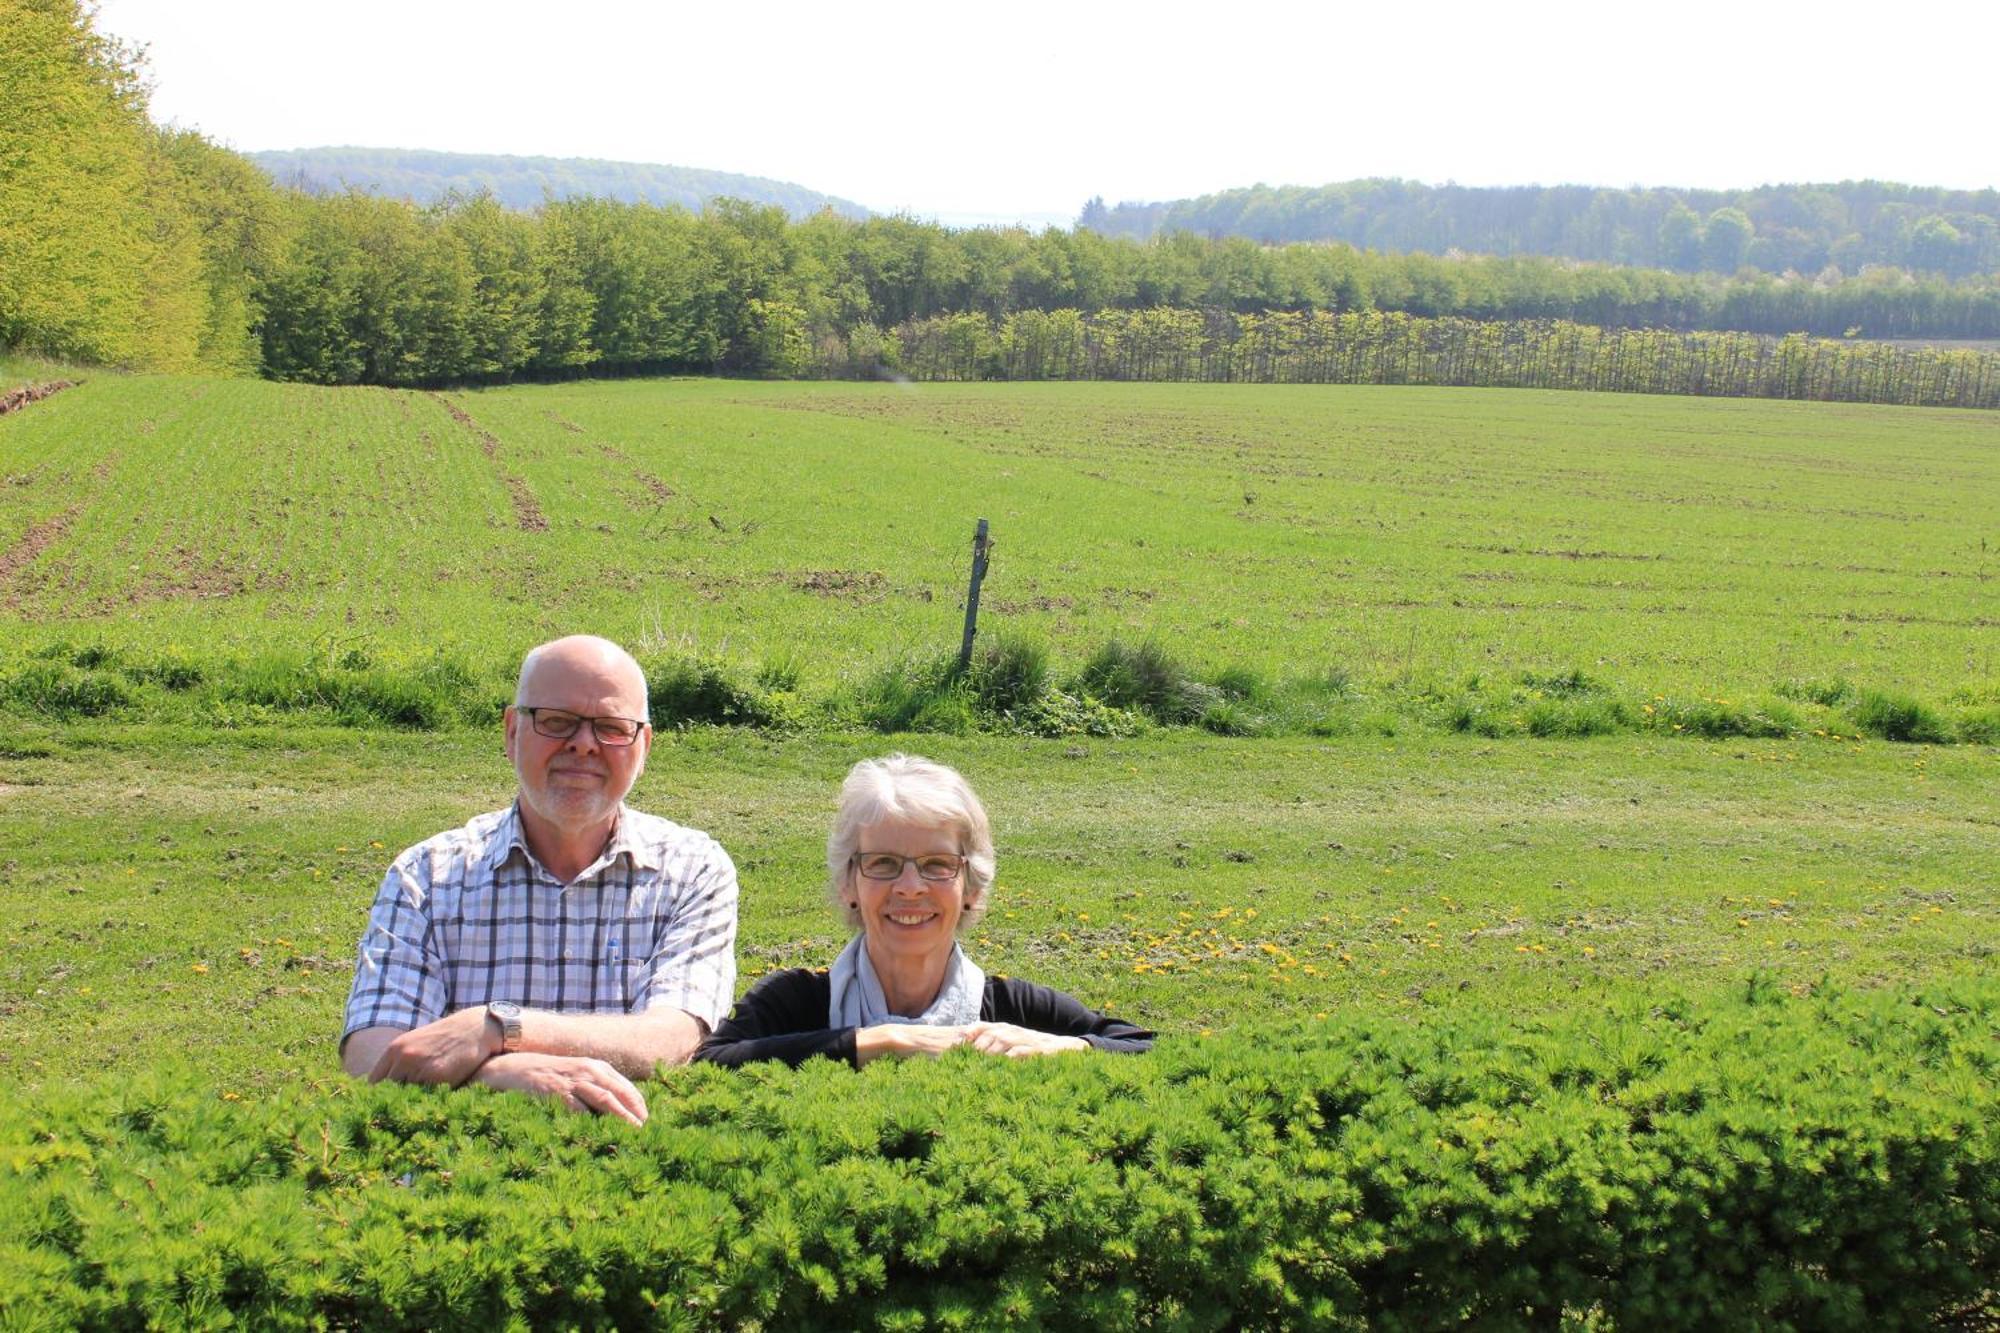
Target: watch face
pixel 504 1009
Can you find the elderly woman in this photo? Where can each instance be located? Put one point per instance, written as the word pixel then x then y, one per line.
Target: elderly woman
pixel 910 864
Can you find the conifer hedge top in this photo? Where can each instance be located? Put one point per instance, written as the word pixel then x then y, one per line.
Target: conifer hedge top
pixel 1771 1160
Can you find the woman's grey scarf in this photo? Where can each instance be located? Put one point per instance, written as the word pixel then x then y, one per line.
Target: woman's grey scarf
pixel 857 1002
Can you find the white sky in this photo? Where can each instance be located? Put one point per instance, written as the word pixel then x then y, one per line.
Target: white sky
pixel 989 112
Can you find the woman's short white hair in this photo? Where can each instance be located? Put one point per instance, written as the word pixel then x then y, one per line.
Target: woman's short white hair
pixel 913 789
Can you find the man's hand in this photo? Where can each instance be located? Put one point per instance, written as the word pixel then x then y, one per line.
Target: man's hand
pixel 449 1051
pixel 577 1081
pixel 902 1040
pixel 1007 1039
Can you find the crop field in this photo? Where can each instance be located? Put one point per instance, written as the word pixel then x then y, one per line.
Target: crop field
pixel 1457 1022
pixel 1391 535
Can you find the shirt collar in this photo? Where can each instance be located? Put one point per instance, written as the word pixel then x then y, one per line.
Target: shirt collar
pixel 510 837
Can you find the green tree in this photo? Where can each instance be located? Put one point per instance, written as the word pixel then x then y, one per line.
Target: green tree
pixel 73 178
pixel 1725 239
pixel 1680 238
pixel 1936 246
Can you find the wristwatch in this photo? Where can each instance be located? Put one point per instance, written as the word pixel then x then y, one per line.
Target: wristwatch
pixel 509 1015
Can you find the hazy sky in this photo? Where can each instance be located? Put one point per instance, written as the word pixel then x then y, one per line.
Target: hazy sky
pixel 980 112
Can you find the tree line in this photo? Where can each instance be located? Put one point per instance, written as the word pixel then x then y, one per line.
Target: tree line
pixel 125 243
pixel 1772 228
pixel 1377 347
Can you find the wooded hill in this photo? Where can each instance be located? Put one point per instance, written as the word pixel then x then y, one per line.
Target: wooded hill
pixel 424 177
pixel 1773 228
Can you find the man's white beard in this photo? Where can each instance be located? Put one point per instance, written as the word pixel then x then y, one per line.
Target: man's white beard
pixel 570 809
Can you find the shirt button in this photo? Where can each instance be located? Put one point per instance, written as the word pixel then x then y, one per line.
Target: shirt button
pixel 566 953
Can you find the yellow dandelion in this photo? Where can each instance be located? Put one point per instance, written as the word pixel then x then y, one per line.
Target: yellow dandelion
pixel 200 969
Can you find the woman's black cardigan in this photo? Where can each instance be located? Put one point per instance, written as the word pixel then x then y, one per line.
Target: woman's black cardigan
pixel 783 1017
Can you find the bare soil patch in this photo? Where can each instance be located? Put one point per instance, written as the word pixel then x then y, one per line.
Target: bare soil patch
pixel 30 546
pixel 528 514
pixel 855 585
pixel 1005 607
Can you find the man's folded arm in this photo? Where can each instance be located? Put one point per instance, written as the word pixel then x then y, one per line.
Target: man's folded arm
pixel 630 1043
pixel 452 1049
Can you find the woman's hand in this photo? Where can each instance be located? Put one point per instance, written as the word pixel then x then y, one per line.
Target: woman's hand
pixel 1006 1039
pixel 902 1040
pixel 578 1082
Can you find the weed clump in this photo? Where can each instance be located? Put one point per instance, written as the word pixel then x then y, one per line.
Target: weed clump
pixel 1007 687
pixel 1718 718
pixel 1898 717
pixel 1565 717
pixel 1146 679
pixel 60 690
pixel 1825 693
pixel 689 691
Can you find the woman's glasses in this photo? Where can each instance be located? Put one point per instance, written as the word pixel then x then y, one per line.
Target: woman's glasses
pixel 936 867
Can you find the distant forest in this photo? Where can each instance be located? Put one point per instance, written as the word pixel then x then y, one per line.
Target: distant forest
pixel 424 177
pixel 1774 228
pixel 125 243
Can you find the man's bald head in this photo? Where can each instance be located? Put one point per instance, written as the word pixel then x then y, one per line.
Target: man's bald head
pixel 583 656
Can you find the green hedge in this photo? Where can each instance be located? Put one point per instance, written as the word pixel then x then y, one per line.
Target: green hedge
pixel 1764 1160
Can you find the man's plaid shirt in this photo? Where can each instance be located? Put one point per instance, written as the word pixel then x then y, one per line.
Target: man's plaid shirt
pixel 470 916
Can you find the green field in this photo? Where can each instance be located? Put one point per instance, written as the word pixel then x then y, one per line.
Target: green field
pixel 222 871
pixel 167 899
pixel 1721 978
pixel 1393 535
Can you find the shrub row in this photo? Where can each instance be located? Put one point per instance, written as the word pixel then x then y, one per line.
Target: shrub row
pixel 1010 686
pixel 1758 1160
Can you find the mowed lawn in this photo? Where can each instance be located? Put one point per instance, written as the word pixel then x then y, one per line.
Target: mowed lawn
pixel 170 899
pixel 1393 535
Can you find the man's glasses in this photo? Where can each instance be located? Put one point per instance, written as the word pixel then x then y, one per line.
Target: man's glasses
pixel 559 725
pixel 938 867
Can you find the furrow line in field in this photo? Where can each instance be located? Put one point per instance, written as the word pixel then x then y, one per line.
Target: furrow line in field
pixel 528 516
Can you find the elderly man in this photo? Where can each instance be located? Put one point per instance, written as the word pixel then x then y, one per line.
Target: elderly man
pixel 564 946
